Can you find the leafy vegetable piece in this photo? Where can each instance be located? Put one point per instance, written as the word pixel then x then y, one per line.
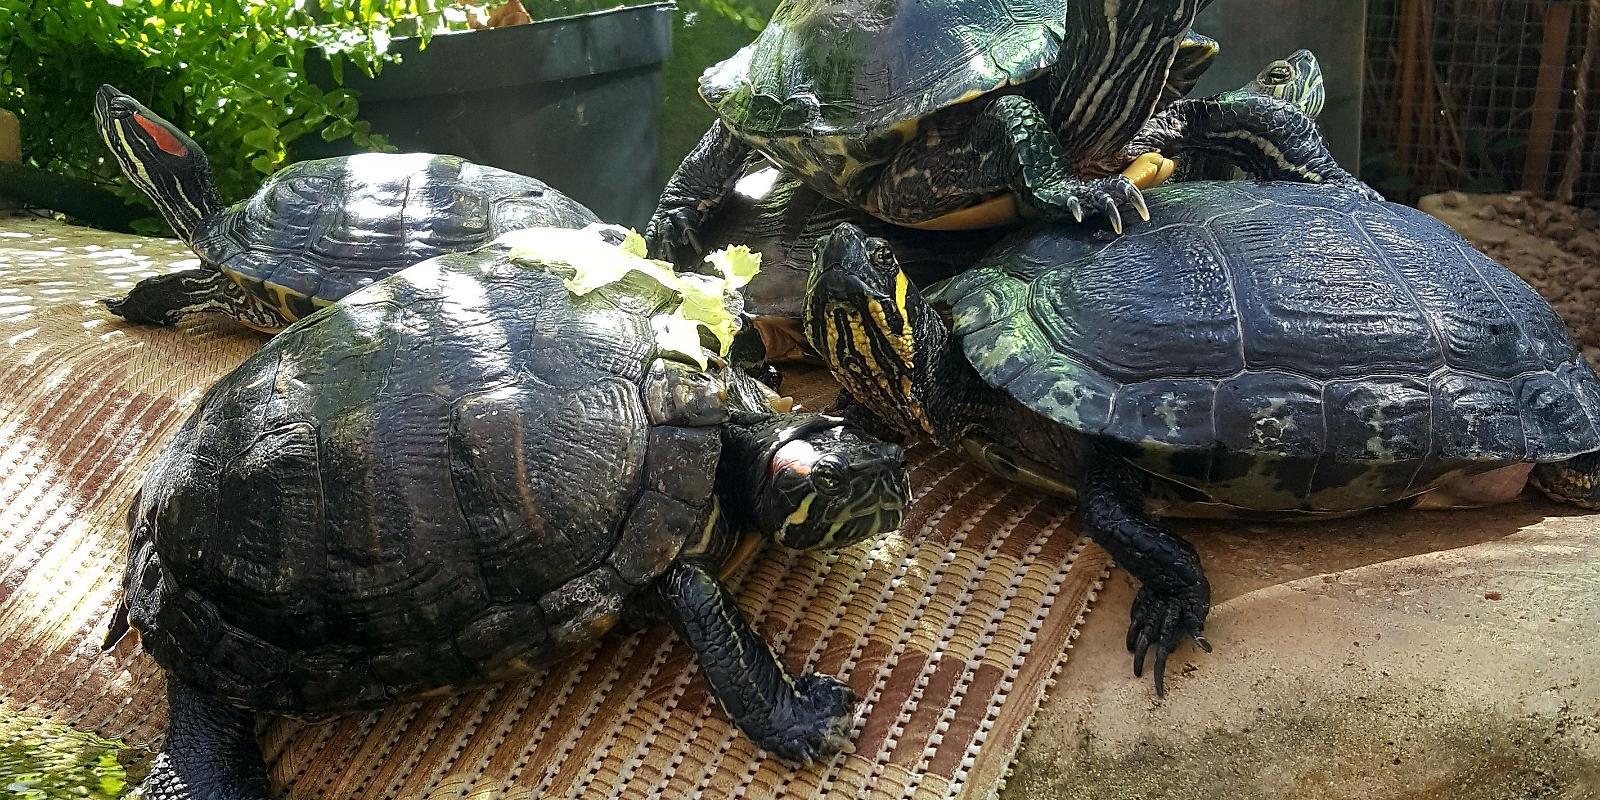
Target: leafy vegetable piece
pixel 738 264
pixel 587 262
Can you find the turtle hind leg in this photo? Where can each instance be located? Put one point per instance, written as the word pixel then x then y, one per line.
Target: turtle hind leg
pixel 1265 137
pixel 1575 481
pixel 798 719
pixel 165 299
pixel 210 752
pixel 1174 596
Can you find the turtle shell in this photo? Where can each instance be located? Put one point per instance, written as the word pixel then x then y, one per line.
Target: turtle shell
pixel 1283 346
pixel 842 68
pixel 446 476
pixel 318 230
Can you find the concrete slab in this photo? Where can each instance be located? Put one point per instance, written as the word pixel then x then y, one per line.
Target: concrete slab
pixel 1398 655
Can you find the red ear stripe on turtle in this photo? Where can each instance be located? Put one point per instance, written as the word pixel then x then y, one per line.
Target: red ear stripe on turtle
pixel 162 137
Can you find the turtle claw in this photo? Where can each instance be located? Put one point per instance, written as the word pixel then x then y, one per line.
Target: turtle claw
pixel 1076 209
pixel 1102 195
pixel 1162 620
pixel 820 723
pixel 1107 206
pixel 1137 201
pixel 674 235
pixel 1360 187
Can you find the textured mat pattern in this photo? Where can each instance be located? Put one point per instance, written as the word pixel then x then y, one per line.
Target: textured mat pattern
pixel 951 630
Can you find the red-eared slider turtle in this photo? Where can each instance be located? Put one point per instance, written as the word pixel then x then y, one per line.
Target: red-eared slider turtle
pixel 782 219
pixel 1272 351
pixel 315 231
pixel 1296 80
pixel 457 471
pixel 947 115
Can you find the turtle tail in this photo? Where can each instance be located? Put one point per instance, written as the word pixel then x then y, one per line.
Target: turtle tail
pixel 1575 481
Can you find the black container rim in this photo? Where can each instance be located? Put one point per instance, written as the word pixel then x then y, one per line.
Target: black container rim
pixel 547 50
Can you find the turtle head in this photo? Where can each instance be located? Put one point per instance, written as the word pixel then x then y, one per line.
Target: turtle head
pixel 1296 80
pixel 158 158
pixel 879 336
pixel 816 481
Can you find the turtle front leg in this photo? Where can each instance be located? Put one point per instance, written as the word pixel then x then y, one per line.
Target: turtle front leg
pixel 210 752
pixel 704 178
pixel 1174 596
pixel 798 719
pixel 1264 136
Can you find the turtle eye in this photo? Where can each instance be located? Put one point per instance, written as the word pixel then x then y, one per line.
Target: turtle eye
pixel 828 476
pixel 882 255
pixel 1280 73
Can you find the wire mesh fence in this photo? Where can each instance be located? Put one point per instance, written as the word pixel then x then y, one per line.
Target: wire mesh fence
pixel 1484 96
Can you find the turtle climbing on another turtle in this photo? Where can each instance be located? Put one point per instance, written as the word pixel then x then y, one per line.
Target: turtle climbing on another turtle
pixel 316 230
pixel 781 219
pixel 944 115
pixel 1260 350
pixel 482 461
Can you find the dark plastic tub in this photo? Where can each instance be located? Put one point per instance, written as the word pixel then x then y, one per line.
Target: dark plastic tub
pixel 571 101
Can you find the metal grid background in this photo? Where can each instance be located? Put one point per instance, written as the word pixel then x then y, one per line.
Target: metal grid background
pixel 1483 96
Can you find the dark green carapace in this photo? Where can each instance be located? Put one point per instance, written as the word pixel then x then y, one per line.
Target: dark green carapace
pixel 956 115
pixel 315 231
pixel 782 219
pixel 458 472
pixel 1260 350
pixel 922 113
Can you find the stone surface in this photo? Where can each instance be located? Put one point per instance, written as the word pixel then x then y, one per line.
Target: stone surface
pixel 1396 655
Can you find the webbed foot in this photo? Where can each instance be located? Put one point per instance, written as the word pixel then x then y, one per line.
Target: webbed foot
pixel 674 236
pixel 797 719
pixel 1162 620
pixel 692 193
pixel 1175 596
pixel 819 723
pixel 1360 187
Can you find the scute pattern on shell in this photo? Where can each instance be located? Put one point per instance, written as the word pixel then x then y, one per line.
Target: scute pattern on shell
pixel 437 481
pixel 322 229
pixel 1294 344
pixel 829 68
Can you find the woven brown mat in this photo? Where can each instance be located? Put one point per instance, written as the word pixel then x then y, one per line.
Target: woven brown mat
pixel 950 631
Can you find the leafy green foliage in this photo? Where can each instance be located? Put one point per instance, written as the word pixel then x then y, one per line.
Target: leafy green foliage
pixel 42 760
pixel 704 33
pixel 229 71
